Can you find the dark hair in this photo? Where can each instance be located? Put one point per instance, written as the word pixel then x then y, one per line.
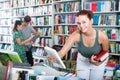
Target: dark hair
pixel 86 12
pixel 17 22
pixel 27 18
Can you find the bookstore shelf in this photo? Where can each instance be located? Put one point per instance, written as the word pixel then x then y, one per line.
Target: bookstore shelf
pixel 107 12
pixel 41 15
pixel 114 40
pixel 35 15
pixel 65 24
pixel 47 4
pixel 65 12
pixel 63 1
pixel 5 34
pixel 114 54
pixel 61 34
pixel 106 26
pixel 6 41
pixel 2 42
pixel 5 9
pixel 42 26
pixel 1 1
pixel 7 26
pixel 4 17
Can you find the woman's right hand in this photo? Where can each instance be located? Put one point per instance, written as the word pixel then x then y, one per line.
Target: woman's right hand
pixel 31 36
pixel 51 59
pixel 97 63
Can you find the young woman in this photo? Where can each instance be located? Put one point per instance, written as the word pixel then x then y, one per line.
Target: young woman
pixel 89 43
pixel 19 41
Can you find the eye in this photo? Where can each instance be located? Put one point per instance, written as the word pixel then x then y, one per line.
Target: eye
pixel 84 22
pixel 78 23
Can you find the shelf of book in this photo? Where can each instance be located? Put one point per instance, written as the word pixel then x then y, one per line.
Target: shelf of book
pixel 6 41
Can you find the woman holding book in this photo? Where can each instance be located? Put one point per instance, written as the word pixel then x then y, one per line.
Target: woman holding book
pixel 90 42
pixel 19 41
pixel 26 33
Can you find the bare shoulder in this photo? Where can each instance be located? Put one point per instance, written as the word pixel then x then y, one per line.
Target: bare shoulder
pixel 102 35
pixel 75 35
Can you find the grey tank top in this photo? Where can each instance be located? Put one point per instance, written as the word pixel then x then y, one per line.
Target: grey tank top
pixel 89 51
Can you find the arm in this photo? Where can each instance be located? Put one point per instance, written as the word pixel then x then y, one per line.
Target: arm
pixel 103 40
pixel 74 37
pixel 19 42
pixel 35 32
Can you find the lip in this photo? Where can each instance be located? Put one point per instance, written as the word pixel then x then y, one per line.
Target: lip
pixel 83 29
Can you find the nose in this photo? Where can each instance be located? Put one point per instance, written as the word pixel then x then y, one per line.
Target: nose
pixel 80 25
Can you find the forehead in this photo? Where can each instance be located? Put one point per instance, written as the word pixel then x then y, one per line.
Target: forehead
pixel 82 18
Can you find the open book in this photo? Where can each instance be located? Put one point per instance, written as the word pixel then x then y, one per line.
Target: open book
pixel 54 53
pixel 102 56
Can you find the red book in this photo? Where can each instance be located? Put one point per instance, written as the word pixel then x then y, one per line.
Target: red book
pixel 94 7
pixel 102 55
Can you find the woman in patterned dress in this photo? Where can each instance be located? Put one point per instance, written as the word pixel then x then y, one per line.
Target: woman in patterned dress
pixel 19 41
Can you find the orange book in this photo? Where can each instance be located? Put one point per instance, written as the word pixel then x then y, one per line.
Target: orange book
pixel 102 55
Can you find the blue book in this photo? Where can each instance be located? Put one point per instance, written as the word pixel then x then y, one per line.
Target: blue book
pixel 99 6
pixel 95 19
pixel 88 6
pixel 66 7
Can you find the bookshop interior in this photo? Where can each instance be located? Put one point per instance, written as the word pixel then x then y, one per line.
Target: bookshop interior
pixel 59 40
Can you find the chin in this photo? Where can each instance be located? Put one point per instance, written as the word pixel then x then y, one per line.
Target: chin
pixel 83 31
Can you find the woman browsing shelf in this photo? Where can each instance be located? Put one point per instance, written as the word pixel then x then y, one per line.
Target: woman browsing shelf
pixel 90 42
pixel 19 41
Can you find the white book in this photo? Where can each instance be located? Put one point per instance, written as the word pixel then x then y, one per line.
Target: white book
pixel 59 63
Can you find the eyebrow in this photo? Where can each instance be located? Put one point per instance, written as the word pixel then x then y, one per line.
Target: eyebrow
pixel 78 22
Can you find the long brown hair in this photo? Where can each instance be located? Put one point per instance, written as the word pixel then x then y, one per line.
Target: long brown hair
pixel 17 22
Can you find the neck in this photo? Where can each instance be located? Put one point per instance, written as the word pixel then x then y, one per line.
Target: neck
pixel 25 26
pixel 90 32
